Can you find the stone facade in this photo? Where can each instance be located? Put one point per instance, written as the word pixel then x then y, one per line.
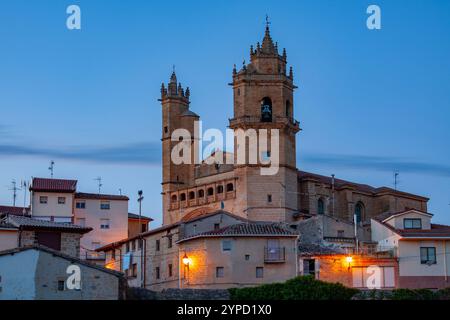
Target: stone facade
pixel 70 242
pixel 290 194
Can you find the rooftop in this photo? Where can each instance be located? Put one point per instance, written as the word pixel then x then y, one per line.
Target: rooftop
pixel 136 216
pixel 19 211
pixel 60 255
pixel 341 184
pixel 98 196
pixel 27 223
pixel 53 185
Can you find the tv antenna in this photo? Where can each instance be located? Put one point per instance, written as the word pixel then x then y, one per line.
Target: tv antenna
pixel 100 184
pixel 51 168
pixel 14 189
pixel 24 184
pixel 396 174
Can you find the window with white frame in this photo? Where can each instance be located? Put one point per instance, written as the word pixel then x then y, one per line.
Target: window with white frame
pixel 80 205
pixel 43 199
pixel 105 205
pixel 61 200
pixel 428 255
pixel 104 223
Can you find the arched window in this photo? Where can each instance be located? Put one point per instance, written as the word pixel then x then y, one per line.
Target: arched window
pixel 183 197
pixel 210 191
pixel 266 110
pixel 230 187
pixel 191 195
pixel 320 206
pixel 288 109
pixel 219 189
pixel 174 198
pixel 201 193
pixel 359 212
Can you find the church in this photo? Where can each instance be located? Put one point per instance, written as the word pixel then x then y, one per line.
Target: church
pixel 225 224
pixel 263 93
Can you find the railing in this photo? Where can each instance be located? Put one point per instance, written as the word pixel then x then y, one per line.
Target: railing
pixel 274 255
pixel 374 251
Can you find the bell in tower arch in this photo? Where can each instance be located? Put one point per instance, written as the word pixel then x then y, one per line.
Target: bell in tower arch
pixel 266 110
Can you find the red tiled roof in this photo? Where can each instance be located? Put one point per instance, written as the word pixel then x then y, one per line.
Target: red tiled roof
pixel 436 231
pixel 251 229
pixel 201 213
pixel 340 184
pixel 53 185
pixel 18 211
pixel 96 196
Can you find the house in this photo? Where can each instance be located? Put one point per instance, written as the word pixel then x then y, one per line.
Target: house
pixel 207 250
pixel 363 270
pixel 106 214
pixel 22 231
pixel 40 273
pixel 57 200
pixel 137 224
pixel 421 247
pixel 18 211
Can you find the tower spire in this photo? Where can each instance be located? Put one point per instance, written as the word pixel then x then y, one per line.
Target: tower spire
pixel 267 44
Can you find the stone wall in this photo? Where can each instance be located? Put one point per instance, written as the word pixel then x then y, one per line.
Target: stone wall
pixel 178 294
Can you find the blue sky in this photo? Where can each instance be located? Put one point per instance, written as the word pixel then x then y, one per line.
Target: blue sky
pixel 369 102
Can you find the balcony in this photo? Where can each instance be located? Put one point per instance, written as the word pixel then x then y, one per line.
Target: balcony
pixel 274 255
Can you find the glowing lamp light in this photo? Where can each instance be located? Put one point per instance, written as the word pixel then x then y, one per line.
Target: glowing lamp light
pixel 186 260
pixel 349 259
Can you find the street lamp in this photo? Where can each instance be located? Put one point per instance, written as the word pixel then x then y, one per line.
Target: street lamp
pixel 349 260
pixel 186 260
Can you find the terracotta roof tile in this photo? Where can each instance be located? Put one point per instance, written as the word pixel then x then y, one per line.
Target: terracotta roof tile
pixel 53 185
pixel 19 211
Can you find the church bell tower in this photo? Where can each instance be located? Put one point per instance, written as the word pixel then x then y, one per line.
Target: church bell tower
pixel 263 99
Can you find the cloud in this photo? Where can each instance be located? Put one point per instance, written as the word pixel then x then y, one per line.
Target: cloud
pixel 379 163
pixel 137 153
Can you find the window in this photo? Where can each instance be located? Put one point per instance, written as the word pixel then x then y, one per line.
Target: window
pixel 210 191
pixel 61 200
pixel 320 206
pixel 219 272
pixel 81 222
pixel 427 255
pixel 170 270
pixel 157 245
pixel 265 156
pixel 127 247
pixel 216 226
pixel 113 254
pixel 143 227
pixel 43 200
pixel 288 109
pixel 201 193
pixel 139 241
pixel 183 197
pixel 191 195
pixel 359 210
pixel 309 267
pixel 157 274
pixel 166 129
pixel 260 272
pixel 226 245
pixel 61 285
pixel 219 189
pixel 104 223
pixel 174 198
pixel 230 187
pixel 169 242
pixel 105 205
pixel 247 257
pixel 266 110
pixel 412 223
pixel 133 245
pixel 269 198
pixel 80 205
pixel 134 270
